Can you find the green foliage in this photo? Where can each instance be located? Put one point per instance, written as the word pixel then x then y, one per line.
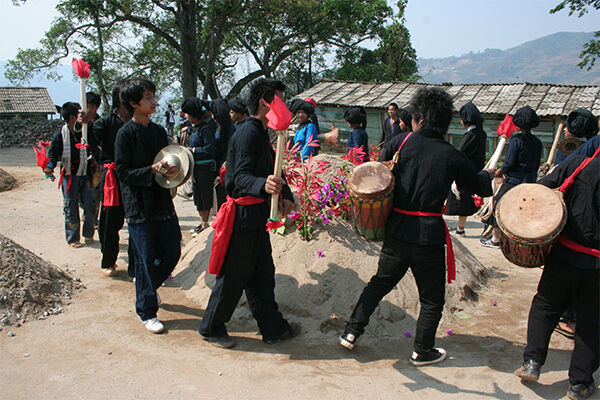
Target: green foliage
pixel 591 50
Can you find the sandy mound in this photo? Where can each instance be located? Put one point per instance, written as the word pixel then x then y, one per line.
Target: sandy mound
pixel 7 181
pixel 30 287
pixel 321 292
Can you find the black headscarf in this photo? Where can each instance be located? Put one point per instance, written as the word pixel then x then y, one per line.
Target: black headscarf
pixel 220 109
pixel 195 107
pixel 582 123
pixel 526 119
pixel 469 114
pixel 405 116
pixel 295 105
pixel 238 105
pixel 356 115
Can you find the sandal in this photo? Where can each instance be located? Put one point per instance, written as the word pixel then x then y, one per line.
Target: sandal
pixel 564 332
pixel 75 245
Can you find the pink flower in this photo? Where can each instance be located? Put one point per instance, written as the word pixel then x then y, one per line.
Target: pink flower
pixel 449 332
pixel 82 69
pixel 495 303
pixel 320 254
pixel 407 334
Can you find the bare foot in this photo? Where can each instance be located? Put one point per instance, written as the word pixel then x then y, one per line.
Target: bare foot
pixel 75 245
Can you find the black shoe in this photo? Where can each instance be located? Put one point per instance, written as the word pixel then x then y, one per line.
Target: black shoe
pixel 581 391
pixel 292 331
pixel 224 341
pixel 348 340
pixel 529 371
pixel 433 356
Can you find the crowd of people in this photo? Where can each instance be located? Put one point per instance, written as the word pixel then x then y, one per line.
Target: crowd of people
pixel 230 145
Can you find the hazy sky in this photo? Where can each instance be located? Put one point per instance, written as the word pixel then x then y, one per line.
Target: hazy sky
pixel 438 28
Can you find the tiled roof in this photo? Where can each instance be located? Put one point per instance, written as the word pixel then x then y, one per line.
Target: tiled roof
pixel 25 100
pixel 500 98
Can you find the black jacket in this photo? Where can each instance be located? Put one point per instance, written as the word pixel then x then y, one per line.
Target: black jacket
pixel 249 161
pixel 105 134
pixel 522 158
pixel 56 148
pixel 388 131
pixel 426 168
pixel 583 209
pixel 135 149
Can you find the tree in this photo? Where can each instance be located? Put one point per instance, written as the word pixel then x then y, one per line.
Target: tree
pixel 591 50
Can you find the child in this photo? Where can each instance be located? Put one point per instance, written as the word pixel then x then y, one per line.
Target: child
pixel 153 225
pixel 357 120
pixel 74 180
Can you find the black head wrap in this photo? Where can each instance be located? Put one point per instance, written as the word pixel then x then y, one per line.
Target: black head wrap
pixel 195 107
pixel 220 109
pixel 238 105
pixel 525 118
pixel 405 116
pixel 356 115
pixel 469 114
pixel 582 123
pixel 296 104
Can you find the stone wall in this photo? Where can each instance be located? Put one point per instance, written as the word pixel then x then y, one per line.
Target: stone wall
pixel 26 132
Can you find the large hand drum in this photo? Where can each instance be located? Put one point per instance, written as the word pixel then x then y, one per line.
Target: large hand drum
pixel 530 217
pixel 371 186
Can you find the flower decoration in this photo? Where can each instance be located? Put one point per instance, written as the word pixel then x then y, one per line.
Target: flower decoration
pixel 279 116
pixel 449 332
pixel 320 254
pixel 82 69
pixel 495 303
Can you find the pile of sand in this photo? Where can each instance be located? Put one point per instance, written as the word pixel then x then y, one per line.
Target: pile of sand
pixel 7 181
pixel 30 287
pixel 320 292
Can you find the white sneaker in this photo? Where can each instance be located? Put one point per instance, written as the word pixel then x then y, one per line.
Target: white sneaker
pixel 154 325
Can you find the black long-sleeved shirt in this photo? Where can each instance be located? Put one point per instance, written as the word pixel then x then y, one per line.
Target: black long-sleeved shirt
pixel 522 158
pixel 135 149
pixel 389 131
pixel 250 160
pixel 105 134
pixel 203 140
pixel 56 149
pixel 426 168
pixel 473 145
pixel 583 209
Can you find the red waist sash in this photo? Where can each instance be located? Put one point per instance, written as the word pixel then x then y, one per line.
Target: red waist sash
pixel 111 187
pixel 449 250
pixel 223 226
pixel 578 247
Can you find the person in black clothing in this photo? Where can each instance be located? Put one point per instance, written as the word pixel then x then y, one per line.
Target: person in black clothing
pixel 426 167
pixel 151 219
pixel 391 126
pixel 473 145
pixel 74 181
pixel 580 124
pixel 170 121
pixel 112 215
pixel 225 129
pixel 521 163
pixel 356 117
pixel 204 148
pixel 237 110
pixel 572 271
pixel 248 264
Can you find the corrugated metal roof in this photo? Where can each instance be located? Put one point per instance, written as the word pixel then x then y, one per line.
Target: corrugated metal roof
pixel 25 100
pixel 500 98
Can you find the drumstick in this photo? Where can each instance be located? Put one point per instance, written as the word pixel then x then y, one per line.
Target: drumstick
pixel 552 153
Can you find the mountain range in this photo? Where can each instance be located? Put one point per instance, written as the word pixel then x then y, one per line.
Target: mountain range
pixel 549 59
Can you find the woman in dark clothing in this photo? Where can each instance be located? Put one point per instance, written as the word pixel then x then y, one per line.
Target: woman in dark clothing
pixel 225 129
pixel 520 164
pixel 357 120
pixel 204 148
pixel 473 145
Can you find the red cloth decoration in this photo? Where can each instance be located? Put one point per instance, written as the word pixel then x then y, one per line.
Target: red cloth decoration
pixel 578 247
pixel 507 127
pixel 40 154
pixel 571 179
pixel 449 250
pixel 279 116
pixel 311 101
pixel 111 187
pixel 273 225
pixel 222 175
pixel 82 69
pixel 223 226
pixel 62 174
pixel 82 146
pixel 477 200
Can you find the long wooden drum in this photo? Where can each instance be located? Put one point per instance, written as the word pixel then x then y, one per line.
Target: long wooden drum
pixel 530 217
pixel 371 187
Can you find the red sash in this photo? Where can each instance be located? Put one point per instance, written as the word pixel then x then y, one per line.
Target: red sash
pixel 223 225
pixel 111 187
pixel 566 185
pixel 449 250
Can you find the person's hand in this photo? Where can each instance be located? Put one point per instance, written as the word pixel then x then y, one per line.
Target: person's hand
pixel 288 207
pixel 273 184
pixel 163 168
pixel 498 173
pixel 83 117
pixel 49 172
pixel 490 171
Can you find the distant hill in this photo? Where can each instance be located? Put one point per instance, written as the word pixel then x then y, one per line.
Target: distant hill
pixel 550 59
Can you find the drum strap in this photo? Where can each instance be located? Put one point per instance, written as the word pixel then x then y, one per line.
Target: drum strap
pixel 223 225
pixel 397 154
pixel 449 250
pixel 566 185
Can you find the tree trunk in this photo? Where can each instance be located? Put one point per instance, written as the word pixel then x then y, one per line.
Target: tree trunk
pixel 186 19
pixel 100 66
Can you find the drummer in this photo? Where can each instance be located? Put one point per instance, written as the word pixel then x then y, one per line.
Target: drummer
pixel 473 145
pixel 521 163
pixel 415 231
pixel 582 125
pixel 572 270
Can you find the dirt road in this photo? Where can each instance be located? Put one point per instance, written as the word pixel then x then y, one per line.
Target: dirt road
pixel 98 349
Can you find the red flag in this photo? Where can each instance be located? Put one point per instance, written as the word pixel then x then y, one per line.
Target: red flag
pixel 507 127
pixel 82 69
pixel 279 116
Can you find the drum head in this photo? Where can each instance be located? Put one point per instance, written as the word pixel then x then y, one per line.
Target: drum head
pixel 530 211
pixel 370 180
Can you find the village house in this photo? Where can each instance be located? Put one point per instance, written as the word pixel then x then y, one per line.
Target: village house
pixel 25 103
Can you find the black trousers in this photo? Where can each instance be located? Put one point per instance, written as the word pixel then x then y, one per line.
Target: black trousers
pixel 427 264
pixel 560 283
pixel 248 266
pixel 221 195
pixel 110 223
